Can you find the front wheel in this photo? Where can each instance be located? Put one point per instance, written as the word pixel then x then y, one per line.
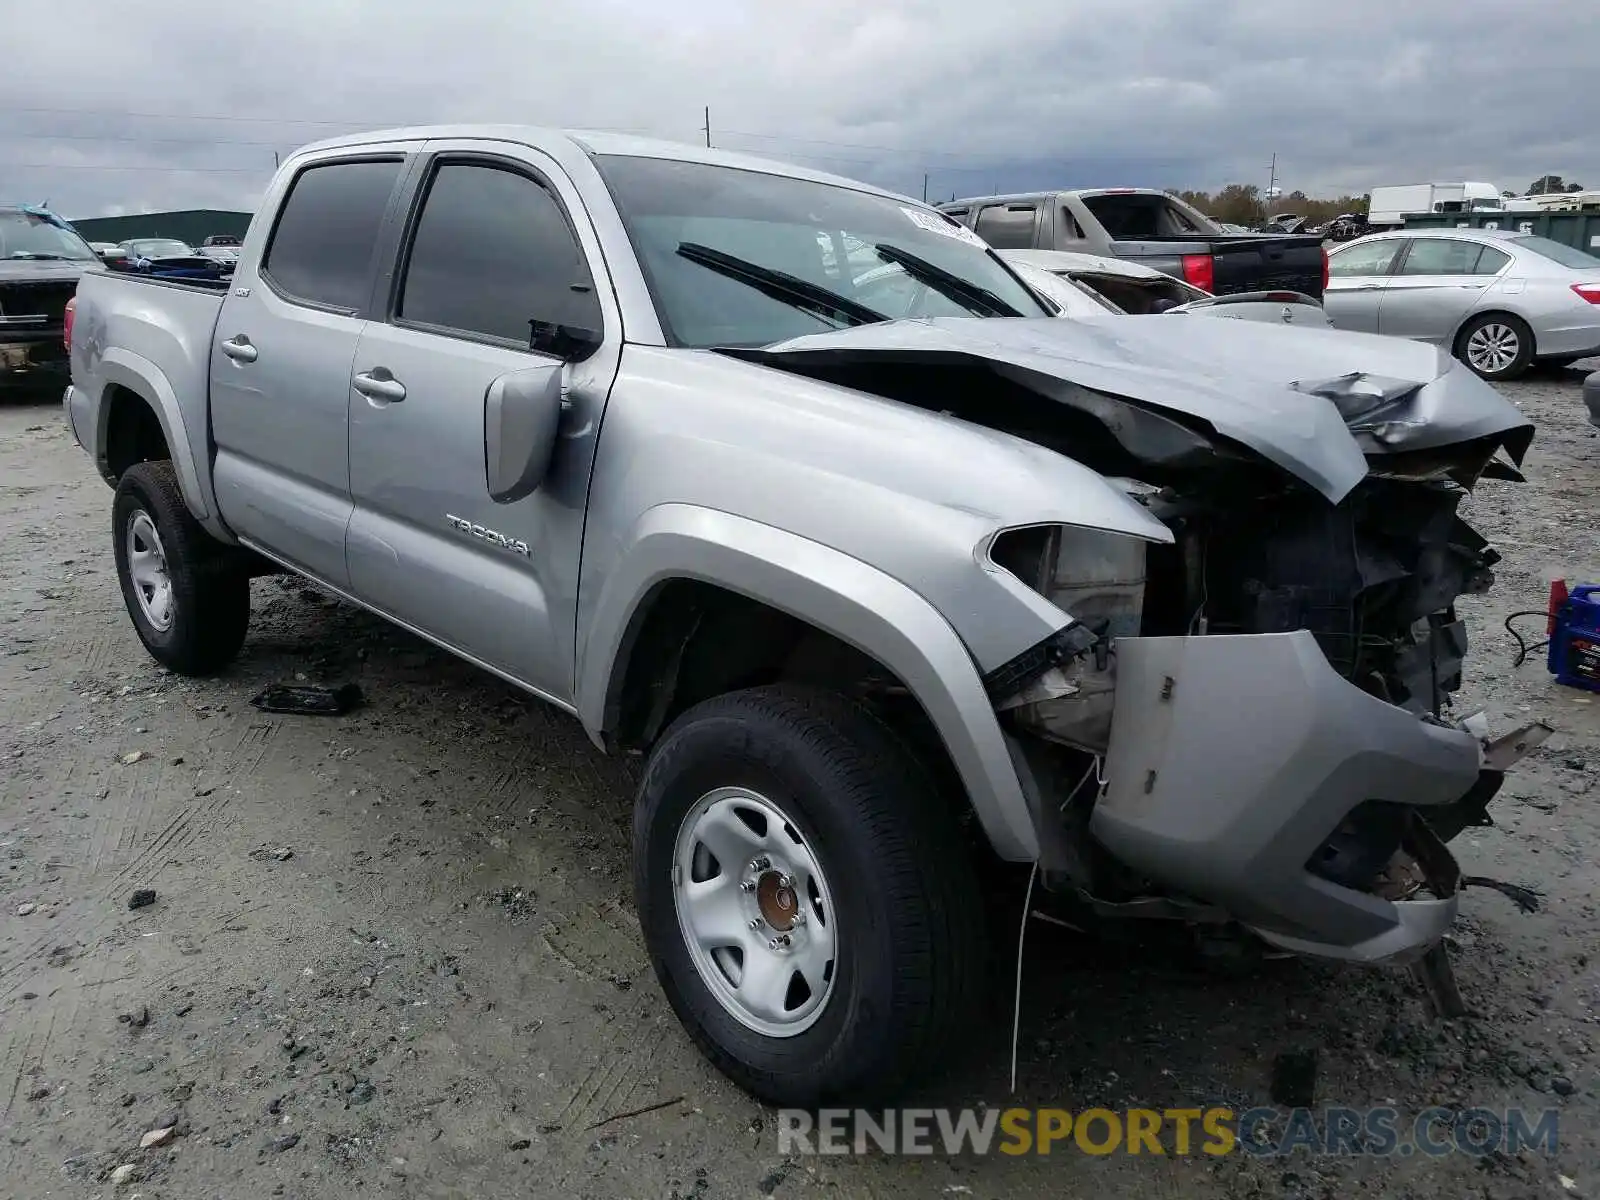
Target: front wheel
pixel 188 597
pixel 805 896
pixel 1497 346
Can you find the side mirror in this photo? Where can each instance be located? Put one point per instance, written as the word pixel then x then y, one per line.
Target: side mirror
pixel 521 418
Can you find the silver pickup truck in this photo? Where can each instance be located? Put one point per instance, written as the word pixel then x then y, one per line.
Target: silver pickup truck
pixel 890 574
pixel 1153 229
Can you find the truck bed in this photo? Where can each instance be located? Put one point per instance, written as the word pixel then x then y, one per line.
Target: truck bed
pixel 1240 263
pixel 129 329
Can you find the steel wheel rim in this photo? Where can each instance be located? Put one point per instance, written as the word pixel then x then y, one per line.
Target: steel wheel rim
pixel 147 568
pixel 1493 347
pixel 734 850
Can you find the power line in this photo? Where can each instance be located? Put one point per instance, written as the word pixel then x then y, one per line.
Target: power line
pixel 16 166
pixel 921 155
pixel 198 140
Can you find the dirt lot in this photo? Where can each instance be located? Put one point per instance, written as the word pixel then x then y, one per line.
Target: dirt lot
pixel 395 950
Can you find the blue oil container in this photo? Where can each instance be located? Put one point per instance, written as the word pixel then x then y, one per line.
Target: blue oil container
pixel 1574 655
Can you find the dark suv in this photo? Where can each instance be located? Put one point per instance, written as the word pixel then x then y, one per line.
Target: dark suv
pixel 41 260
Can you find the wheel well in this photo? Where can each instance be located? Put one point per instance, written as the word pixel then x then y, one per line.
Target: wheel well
pixel 691 641
pixel 1504 314
pixel 133 432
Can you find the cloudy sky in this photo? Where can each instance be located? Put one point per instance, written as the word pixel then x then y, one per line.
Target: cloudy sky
pixel 118 107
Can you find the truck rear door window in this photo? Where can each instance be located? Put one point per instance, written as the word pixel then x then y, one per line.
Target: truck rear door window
pixel 321 250
pixel 492 256
pixel 1008 226
pixel 1139 215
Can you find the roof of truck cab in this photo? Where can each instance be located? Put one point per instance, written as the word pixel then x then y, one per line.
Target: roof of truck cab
pixel 1019 197
pixel 599 142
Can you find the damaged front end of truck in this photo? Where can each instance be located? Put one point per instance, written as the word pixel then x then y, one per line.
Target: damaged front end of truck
pixel 1249 727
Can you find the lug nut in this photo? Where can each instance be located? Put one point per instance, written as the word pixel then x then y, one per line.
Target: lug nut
pixel 755 922
pixel 772 944
pixel 785 880
pixel 760 864
pixel 747 885
pixel 800 917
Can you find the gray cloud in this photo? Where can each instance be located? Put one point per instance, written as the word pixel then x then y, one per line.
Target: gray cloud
pixel 1037 92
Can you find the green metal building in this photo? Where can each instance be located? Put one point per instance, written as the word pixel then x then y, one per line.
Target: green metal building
pixel 191 225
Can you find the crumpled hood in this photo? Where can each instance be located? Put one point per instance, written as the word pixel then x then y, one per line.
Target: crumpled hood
pixel 1316 402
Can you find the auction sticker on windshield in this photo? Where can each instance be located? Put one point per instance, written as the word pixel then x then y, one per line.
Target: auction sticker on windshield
pixel 936 224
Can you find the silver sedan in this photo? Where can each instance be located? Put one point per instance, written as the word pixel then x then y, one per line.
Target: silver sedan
pixel 1498 300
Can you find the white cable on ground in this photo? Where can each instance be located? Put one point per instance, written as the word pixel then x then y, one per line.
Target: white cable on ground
pixel 1016 1011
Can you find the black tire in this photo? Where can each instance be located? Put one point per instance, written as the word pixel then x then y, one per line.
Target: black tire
pixel 1518 365
pixel 210 590
pixel 909 962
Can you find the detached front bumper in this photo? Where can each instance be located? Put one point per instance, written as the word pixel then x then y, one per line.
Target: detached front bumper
pixel 1232 761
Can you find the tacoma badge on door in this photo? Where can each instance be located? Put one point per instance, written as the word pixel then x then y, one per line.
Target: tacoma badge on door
pixel 514 545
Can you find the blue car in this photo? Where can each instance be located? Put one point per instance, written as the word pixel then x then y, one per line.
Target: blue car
pixel 168 258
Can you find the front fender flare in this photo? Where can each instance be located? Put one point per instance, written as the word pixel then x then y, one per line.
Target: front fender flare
pixel 841 595
pixel 144 379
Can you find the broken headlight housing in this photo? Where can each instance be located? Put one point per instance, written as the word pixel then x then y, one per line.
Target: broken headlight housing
pixel 1064 688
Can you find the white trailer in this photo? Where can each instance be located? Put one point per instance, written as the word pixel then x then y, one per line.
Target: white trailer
pixel 1387 207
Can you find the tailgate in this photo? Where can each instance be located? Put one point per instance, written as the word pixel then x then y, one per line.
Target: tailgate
pixel 1266 263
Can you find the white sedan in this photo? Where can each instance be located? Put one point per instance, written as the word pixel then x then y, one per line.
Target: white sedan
pixel 1497 300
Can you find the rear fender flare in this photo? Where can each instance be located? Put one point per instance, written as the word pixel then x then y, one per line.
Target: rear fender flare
pixel 122 368
pixel 838 594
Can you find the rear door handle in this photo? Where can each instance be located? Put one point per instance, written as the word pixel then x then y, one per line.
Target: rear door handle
pixel 379 384
pixel 239 349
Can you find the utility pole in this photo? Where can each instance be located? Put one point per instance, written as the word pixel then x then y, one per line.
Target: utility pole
pixel 924 187
pixel 1272 188
pixel 274 160
pixel 708 126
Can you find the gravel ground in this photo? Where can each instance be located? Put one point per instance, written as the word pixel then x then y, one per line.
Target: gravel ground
pixel 396 950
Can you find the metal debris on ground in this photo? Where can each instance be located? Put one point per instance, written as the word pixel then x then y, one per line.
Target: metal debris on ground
pixel 310 700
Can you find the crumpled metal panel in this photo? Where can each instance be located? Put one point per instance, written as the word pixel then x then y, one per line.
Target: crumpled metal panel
pixel 1316 402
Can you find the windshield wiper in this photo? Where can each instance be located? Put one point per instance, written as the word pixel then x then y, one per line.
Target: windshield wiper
pixel 36 256
pixel 782 286
pixel 951 286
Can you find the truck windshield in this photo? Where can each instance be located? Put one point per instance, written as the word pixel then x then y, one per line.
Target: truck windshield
pixel 771 257
pixel 26 235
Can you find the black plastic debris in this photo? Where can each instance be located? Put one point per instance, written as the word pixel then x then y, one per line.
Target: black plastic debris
pixel 142 897
pixel 310 700
pixel 1524 898
pixel 1294 1079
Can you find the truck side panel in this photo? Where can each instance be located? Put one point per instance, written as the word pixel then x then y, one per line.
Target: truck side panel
pixel 152 339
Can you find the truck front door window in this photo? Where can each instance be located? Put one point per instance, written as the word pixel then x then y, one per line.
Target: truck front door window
pixel 493 256
pixel 321 250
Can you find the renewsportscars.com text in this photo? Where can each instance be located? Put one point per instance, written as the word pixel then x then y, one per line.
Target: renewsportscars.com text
pixel 1214 1131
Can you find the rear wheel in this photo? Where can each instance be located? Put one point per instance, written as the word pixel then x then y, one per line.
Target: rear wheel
pixel 1498 346
pixel 806 900
pixel 188 595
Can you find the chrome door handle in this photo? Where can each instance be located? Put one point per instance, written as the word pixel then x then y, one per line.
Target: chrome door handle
pixel 384 386
pixel 239 349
